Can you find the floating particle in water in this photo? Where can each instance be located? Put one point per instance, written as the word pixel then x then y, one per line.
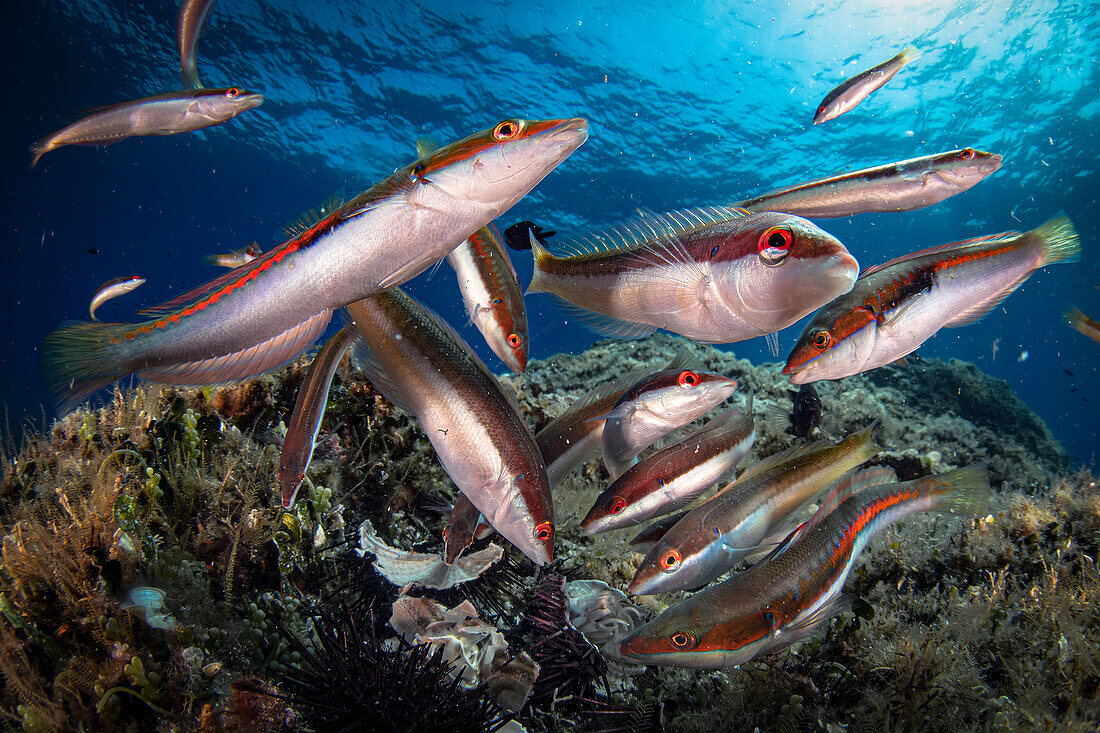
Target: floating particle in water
pixel 1023 356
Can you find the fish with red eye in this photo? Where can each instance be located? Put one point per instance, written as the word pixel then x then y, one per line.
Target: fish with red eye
pixel 654 407
pixel 774 245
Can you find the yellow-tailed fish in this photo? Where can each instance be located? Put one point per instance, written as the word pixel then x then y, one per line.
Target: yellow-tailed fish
pixel 783 599
pixel 853 91
pixel 897 306
pixel 1078 321
pixel 259 316
pixel 748 514
pixel 717 275
pixel 189 23
pixel 112 289
pixel 425 367
pixel 161 114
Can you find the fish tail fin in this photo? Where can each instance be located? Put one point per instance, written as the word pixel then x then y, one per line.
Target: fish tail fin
pixel 1058 240
pixel 80 358
pixel 965 490
pixel 542 258
pixel 189 77
pixel 863 442
pixel 909 54
pixel 38 149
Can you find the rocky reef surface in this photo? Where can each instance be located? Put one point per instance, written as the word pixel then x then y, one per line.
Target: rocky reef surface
pixel 149 579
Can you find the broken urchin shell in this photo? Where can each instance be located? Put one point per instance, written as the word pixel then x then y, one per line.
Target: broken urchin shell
pixel 404 568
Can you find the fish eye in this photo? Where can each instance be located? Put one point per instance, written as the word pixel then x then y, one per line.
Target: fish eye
pixel 544 531
pixel 688 379
pixel 683 640
pixel 506 130
pixel 769 617
pixel 820 340
pixel 233 92
pixel 617 505
pixel 967 154
pixel 514 340
pixel 418 171
pixel 774 245
pixel 670 561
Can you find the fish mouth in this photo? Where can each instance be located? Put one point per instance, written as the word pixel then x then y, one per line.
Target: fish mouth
pixel 572 129
pixel 251 101
pixel 992 164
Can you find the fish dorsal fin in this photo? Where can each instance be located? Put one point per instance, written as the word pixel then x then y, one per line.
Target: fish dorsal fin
pixel 647 230
pixel 311 218
pixel 685 359
pixel 195 294
pixel 981 310
pixel 426 145
pixel 1003 236
pixel 847 486
pixel 602 392
pixel 777 459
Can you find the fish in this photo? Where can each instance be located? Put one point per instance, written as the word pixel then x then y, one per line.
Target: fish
pixel 747 514
pixel 161 114
pixel 519 235
pixel 189 23
pixel 655 406
pixel 461 528
pixel 902 186
pixel 256 317
pixel 644 541
pixel 305 418
pixel 490 290
pixel 805 414
pixel 425 368
pixel 853 91
pixel 1078 321
pixel 897 306
pixel 112 289
pixel 672 477
pixel 716 275
pixel 236 258
pixel 784 599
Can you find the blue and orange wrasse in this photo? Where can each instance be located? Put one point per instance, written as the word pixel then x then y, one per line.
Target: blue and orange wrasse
pixel 897 306
pixel 256 317
pixel 1081 323
pixel 655 406
pixel 189 23
pixel 853 91
pixel 673 476
pixel 746 515
pixel 716 275
pixel 236 258
pixel 902 186
pixel 305 420
pixel 783 599
pixel 490 289
pixel 424 367
pixel 112 289
pixel 161 114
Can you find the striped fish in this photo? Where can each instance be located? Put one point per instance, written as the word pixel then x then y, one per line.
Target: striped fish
pixel 853 91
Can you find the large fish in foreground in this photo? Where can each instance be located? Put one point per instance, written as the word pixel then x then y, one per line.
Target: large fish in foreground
pixel 853 91
pixel 423 366
pixel 259 316
pixel 717 275
pixel 903 186
pixel 783 599
pixel 161 114
pixel 897 306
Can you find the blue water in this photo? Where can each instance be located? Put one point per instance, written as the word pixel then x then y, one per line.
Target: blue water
pixel 688 104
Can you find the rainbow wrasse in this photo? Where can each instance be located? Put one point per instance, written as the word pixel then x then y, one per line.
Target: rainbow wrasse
pixel 112 289
pixel 189 23
pixel 423 366
pixel 259 316
pixel 746 515
pixel 673 476
pixel 161 114
pixel 717 275
pixel 903 186
pixel 305 419
pixel 845 97
pixel 1081 323
pixel 897 306
pixel 783 599
pixel 655 406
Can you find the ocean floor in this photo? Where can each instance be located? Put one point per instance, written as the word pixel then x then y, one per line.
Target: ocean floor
pixel 151 581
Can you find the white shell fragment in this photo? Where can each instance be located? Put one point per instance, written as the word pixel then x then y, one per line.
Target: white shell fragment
pixel 604 615
pixel 403 568
pixel 477 651
pixel 151 601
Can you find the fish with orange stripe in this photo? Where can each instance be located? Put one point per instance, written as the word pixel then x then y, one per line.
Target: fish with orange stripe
pixel 259 316
pixel 897 306
pixel 785 598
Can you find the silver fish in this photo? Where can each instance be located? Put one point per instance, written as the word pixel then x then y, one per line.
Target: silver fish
pixel 192 17
pixel 112 289
pixel 236 258
pixel 853 91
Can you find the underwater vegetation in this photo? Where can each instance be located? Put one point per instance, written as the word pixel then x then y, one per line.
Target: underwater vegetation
pixel 150 579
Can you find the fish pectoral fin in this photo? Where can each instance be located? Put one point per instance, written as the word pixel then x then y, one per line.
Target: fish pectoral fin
pixel 372 368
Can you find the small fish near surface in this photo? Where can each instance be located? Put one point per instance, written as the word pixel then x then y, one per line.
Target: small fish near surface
pixel 259 316
pixel 111 290
pixel 1081 323
pixel 785 598
pixel 749 514
pixel 897 306
pixel 674 476
pixel 424 367
pixel 853 91
pixel 161 114
pixel 804 416
pixel 903 186
pixel 716 275
pixel 655 406
pixel 189 24
pixel 236 258
pixel 305 419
